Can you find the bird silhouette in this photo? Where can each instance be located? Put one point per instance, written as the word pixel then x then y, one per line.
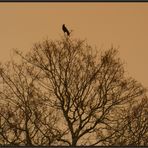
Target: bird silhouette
pixel 65 29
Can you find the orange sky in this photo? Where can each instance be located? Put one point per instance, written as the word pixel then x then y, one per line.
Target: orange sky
pixel 102 24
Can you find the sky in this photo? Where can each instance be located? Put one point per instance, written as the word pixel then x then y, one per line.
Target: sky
pixel 123 25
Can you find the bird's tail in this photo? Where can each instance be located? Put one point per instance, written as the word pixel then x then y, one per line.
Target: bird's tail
pixel 69 33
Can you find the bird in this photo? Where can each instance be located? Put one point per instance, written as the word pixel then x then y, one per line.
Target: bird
pixel 65 29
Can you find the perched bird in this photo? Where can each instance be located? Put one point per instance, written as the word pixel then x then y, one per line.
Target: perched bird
pixel 65 30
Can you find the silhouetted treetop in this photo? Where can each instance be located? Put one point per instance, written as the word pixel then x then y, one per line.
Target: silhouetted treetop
pixel 87 92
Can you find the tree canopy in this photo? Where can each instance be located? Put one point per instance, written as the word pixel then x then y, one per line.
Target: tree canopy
pixel 65 92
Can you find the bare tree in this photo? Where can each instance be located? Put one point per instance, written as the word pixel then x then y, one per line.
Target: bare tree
pixel 86 88
pixel 25 117
pixel 132 125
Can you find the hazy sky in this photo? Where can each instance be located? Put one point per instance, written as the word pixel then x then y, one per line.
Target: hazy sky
pixel 102 24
